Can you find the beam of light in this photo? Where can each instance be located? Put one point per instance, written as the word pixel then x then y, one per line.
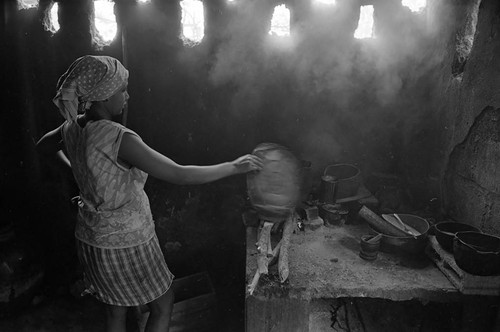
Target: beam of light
pixel 365 23
pixel 280 21
pixel 27 4
pixel 105 20
pixel 193 20
pixel 144 1
pixel 325 2
pixel 414 5
pixel 54 18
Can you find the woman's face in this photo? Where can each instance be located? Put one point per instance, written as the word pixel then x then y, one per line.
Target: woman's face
pixel 116 103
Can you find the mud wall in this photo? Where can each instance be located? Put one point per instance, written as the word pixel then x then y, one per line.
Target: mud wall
pixel 471 108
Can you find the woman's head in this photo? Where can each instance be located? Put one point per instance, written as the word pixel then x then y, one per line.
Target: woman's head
pixel 88 79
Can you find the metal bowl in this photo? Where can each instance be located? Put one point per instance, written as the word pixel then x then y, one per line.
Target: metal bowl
pixel 445 232
pixel 406 244
pixel 477 253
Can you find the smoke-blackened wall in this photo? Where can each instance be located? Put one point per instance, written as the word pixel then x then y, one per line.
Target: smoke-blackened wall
pixel 398 103
pixel 329 97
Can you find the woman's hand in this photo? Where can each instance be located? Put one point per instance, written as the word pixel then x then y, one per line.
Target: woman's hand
pixel 248 163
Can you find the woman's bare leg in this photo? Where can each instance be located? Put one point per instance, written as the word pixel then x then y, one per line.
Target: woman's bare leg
pixel 160 313
pixel 116 318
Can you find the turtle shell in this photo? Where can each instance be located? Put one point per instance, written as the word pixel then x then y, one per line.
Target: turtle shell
pixel 274 191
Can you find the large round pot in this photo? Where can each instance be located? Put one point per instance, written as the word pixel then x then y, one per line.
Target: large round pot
pixel 477 253
pixel 406 244
pixel 275 190
pixel 346 177
pixel 445 232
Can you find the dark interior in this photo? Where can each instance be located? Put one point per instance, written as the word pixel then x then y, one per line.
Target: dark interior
pixel 416 109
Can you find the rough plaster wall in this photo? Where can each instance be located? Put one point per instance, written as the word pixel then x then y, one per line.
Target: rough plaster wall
pixel 471 174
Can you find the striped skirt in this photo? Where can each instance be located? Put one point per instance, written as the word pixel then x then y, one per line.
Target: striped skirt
pixel 125 277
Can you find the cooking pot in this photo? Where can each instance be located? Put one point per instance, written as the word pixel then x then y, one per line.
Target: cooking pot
pixel 275 190
pixel 477 253
pixel 341 181
pixel 406 244
pixel 445 232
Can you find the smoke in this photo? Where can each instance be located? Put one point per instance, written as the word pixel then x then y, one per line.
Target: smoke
pixel 336 90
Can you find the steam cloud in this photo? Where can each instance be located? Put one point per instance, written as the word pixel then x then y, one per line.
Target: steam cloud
pixel 334 91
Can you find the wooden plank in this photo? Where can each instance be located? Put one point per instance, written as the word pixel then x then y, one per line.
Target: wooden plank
pixel 465 282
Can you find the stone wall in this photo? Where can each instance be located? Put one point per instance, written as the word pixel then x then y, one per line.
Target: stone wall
pixel 471 104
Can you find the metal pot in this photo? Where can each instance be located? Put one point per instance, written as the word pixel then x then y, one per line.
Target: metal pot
pixel 477 253
pixel 275 190
pixel 445 232
pixel 347 179
pixel 333 214
pixel 406 244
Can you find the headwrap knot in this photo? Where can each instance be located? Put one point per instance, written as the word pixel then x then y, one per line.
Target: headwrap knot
pixel 89 78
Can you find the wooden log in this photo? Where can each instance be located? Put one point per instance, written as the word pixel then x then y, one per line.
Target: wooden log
pixel 264 247
pixel 256 277
pixel 379 223
pixel 253 284
pixel 285 243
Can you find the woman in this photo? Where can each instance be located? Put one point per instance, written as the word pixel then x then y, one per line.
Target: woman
pixel 116 241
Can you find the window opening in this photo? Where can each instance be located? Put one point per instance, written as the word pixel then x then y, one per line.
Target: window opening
pixel 465 40
pixel 105 20
pixel 54 18
pixel 280 21
pixel 193 21
pixel 365 23
pixel 325 2
pixel 144 1
pixel 27 4
pixel 414 5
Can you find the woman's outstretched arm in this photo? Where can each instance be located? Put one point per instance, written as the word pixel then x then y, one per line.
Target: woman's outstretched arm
pixel 138 154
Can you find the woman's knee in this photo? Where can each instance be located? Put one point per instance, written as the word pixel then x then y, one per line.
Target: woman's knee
pixel 163 304
pixel 116 311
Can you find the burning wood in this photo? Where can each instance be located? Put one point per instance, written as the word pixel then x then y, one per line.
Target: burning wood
pixel 285 243
pixel 280 251
pixel 274 193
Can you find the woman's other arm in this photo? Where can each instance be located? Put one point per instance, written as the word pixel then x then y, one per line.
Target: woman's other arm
pixel 137 153
pixel 51 144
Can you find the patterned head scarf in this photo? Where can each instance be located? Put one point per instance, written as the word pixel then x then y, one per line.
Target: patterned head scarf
pixel 89 78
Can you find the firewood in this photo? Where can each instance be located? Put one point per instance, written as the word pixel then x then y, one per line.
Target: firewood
pixel 285 243
pixel 379 223
pixel 256 277
pixel 264 247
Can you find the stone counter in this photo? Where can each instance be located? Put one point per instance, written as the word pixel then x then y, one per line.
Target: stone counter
pixel 325 264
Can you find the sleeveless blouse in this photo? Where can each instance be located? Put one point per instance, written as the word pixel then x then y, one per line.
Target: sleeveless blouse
pixel 113 210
